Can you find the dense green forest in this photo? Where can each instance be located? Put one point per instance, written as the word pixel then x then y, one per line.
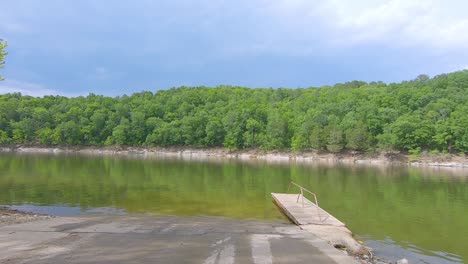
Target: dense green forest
pixel 423 114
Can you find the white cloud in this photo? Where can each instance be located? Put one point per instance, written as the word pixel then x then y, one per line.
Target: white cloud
pixel 194 36
pixel 417 23
pixel 460 68
pixel 428 24
pixel 292 27
pixel 32 89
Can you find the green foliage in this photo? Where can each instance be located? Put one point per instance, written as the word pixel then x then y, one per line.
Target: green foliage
pixel 120 132
pixel 387 141
pixel 46 136
pixel 67 133
pixel 215 133
pixel 3 53
pixel 252 135
pixel 415 154
pixel 4 139
pixel 358 138
pixel 277 131
pixel 423 114
pixel 317 138
pixel 335 138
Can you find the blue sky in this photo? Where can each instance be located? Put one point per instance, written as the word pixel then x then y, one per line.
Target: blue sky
pixel 120 47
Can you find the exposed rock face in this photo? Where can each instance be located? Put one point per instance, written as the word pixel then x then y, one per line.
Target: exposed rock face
pixel 452 161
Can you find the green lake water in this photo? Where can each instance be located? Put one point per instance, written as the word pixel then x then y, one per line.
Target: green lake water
pixel 420 214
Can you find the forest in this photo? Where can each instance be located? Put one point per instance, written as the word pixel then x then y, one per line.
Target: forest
pixel 424 114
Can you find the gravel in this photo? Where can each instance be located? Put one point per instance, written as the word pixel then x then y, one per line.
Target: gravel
pixel 11 216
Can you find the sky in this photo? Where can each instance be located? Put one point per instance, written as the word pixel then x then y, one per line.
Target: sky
pixel 120 47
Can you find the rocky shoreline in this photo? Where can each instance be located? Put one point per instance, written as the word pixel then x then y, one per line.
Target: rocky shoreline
pixel 424 160
pixel 11 216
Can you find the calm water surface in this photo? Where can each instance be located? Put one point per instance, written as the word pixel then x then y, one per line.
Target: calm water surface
pixel 420 214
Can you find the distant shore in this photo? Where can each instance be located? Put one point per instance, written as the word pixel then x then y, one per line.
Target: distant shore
pixel 436 160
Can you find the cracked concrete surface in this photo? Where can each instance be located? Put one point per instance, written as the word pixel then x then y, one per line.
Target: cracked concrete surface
pixel 163 239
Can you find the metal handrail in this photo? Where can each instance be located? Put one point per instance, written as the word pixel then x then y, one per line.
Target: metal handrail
pixel 301 196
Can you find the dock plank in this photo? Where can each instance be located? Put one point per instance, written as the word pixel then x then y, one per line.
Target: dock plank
pixel 304 212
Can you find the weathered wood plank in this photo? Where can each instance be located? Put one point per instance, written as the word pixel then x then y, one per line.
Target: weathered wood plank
pixel 304 212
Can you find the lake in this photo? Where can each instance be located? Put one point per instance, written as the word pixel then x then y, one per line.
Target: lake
pixel 417 213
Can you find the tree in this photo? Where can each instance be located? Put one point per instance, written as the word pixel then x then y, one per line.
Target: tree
pixel 251 135
pixel 420 115
pixel 412 131
pixel 214 132
pixel 67 133
pixel 458 127
pixel 335 138
pixel 96 132
pixel 138 128
pixel 4 139
pixel 46 136
pixel 277 136
pixel 120 132
pixel 3 53
pixel 234 125
pixel 387 141
pixel 358 138
pixel 317 138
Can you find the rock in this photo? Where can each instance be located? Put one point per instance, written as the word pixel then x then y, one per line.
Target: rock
pixel 11 216
pixel 402 261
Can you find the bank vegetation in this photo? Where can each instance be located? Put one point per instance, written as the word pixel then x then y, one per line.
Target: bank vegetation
pixel 424 115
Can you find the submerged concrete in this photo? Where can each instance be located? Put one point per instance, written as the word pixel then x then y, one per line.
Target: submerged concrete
pixel 164 239
pixel 311 218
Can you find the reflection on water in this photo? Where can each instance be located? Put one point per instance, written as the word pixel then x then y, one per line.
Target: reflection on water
pixel 390 249
pixel 420 214
pixel 61 210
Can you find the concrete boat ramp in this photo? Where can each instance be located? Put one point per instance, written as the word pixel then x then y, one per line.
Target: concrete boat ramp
pixel 172 239
pixel 310 217
pixel 162 239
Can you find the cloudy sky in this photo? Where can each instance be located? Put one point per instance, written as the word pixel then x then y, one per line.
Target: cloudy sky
pixel 120 47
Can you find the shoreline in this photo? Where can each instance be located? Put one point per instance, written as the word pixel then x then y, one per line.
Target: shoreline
pixel 9 216
pixel 443 160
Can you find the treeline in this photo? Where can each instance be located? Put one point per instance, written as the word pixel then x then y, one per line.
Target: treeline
pixel 422 114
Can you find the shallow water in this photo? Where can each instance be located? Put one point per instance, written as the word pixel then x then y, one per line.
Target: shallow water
pixel 419 214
